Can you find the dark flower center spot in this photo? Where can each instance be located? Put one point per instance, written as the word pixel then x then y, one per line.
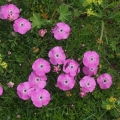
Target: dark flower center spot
pixel 25 90
pixel 11 12
pixel 37 79
pixel 91 59
pixel 60 30
pixel 66 81
pixel 41 97
pixel 22 24
pixel 41 66
pixel 57 55
pixel 88 84
pixel 91 69
pixel 104 81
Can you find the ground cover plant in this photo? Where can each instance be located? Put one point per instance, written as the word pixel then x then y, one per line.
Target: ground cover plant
pixel 59 60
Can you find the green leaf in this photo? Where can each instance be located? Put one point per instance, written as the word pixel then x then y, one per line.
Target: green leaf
pixel 37 21
pixel 64 13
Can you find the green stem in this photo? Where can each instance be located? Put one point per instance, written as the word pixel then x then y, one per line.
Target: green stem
pixel 102 30
pixel 117 109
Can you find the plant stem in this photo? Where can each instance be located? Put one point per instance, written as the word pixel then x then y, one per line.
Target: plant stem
pixel 102 29
pixel 117 109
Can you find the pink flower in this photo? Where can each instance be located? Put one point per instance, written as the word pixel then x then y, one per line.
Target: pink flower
pixel 65 82
pixel 22 90
pixel 10 12
pixel 1 90
pixel 71 66
pixel 42 32
pixel 1 11
pixel 82 94
pixel 61 31
pixel 9 52
pixel 37 81
pixel 87 83
pixel 40 98
pixel 83 45
pixel 21 25
pixel 10 84
pixel 91 59
pixel 57 55
pixel 57 69
pixel 104 81
pixel 41 66
pixel 18 116
pixel 90 71
pixel 32 90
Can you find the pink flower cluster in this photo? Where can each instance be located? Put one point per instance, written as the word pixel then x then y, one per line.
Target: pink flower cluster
pixel 34 87
pixel 66 80
pixel 88 83
pixel 11 12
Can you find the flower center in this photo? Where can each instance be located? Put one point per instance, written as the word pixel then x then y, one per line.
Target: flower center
pixel 24 91
pixel 88 84
pixel 72 66
pixel 91 59
pixel 57 55
pixel 41 66
pixel 22 24
pixel 41 98
pixel 10 12
pixel 37 79
pixel 91 69
pixel 66 82
pixel 60 30
pixel 105 80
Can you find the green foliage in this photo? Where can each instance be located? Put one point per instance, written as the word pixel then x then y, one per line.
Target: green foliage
pixel 37 21
pixel 87 33
pixel 64 13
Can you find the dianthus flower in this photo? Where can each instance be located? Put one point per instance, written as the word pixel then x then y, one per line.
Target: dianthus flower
pixel 90 71
pixel 41 67
pixel 40 98
pixel 37 81
pixel 57 55
pixel 22 90
pixel 71 66
pixel 61 31
pixel 91 59
pixel 21 25
pixel 10 12
pixel 104 81
pixel 87 84
pixel 65 82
